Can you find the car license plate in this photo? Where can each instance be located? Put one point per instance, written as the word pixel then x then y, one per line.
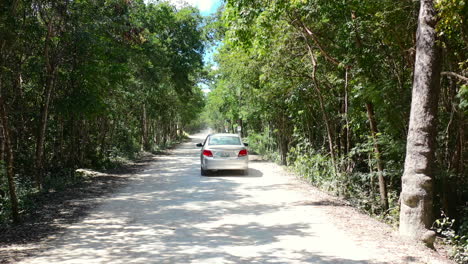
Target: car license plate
pixel 224 154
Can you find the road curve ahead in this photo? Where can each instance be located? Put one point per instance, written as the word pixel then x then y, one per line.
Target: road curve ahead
pixel 170 214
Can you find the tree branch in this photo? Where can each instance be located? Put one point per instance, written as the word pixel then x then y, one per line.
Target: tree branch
pixel 456 75
pixel 306 31
pixel 319 46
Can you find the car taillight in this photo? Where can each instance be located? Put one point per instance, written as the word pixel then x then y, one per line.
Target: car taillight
pixel 207 153
pixel 243 153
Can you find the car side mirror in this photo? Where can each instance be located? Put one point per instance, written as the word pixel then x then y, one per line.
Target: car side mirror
pixel 199 145
pixel 246 144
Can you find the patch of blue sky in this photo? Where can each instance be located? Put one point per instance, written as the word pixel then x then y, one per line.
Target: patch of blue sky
pixel 207 8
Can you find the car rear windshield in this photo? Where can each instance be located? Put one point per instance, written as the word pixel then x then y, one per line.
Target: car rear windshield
pixel 224 140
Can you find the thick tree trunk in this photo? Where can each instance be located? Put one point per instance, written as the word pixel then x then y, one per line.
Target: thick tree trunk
pixel 374 132
pixel 417 194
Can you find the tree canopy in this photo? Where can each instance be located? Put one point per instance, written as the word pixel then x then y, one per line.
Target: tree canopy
pixel 322 86
pixel 83 82
pixel 325 87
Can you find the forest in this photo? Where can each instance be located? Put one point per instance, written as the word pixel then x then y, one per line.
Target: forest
pixel 326 88
pixel 87 83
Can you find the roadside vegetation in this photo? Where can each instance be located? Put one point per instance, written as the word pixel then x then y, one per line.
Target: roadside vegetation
pixel 89 84
pixel 325 87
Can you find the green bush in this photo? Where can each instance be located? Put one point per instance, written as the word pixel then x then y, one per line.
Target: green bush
pixel 445 227
pixel 263 144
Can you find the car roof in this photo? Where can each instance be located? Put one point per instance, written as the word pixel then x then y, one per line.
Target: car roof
pixel 224 134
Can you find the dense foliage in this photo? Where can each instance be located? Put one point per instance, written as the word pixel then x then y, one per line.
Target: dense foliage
pixel 321 86
pixel 83 82
pixel 327 85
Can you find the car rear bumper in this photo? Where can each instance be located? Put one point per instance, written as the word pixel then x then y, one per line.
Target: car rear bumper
pixel 241 163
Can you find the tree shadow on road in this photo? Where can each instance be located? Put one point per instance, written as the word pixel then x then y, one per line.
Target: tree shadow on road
pixel 170 214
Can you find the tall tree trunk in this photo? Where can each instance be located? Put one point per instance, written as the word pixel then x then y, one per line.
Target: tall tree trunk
pixel 104 131
pixel 417 190
pixel 10 161
pixel 283 140
pixel 153 132
pixel 346 113
pixel 61 142
pixel 374 132
pixel 84 141
pixel 48 86
pixel 144 128
pixel 326 120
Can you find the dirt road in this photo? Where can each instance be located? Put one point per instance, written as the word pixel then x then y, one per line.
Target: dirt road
pixel 171 214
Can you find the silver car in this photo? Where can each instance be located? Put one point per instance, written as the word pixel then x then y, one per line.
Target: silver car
pixel 223 152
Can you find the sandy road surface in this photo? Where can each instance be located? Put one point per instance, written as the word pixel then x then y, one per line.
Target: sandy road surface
pixel 171 214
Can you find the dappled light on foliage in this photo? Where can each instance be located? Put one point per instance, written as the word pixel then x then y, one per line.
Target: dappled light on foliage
pixel 90 84
pixel 168 213
pixel 325 87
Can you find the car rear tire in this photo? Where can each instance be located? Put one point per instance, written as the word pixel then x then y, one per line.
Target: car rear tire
pixel 203 172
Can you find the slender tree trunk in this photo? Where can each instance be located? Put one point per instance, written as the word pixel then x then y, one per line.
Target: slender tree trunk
pixel 153 132
pixel 372 180
pixel 58 157
pixel 322 108
pixel 378 155
pixel 2 145
pixel 41 135
pixel 84 141
pixel 20 102
pixel 463 134
pixel 157 130
pixel 417 190
pixel 72 149
pixel 104 131
pixel 164 134
pixel 144 128
pixel 10 162
pixel 49 84
pixel 241 124
pixel 175 126
pixel 111 136
pixel 6 151
pixel 283 140
pixel 346 110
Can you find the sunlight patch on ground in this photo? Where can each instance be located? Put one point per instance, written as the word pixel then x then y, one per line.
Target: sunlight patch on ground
pixel 178 216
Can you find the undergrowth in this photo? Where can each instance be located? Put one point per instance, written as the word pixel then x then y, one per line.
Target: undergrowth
pixel 454 235
pixel 358 184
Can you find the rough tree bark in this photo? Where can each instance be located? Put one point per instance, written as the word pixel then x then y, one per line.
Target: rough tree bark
pixel 417 194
